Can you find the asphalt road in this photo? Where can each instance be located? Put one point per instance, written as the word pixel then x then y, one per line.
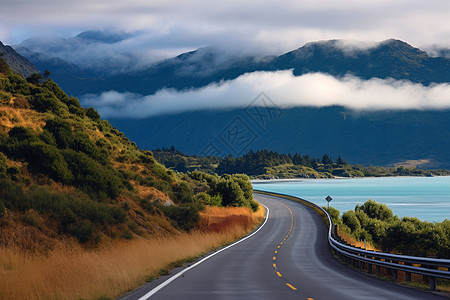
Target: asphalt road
pixel 287 259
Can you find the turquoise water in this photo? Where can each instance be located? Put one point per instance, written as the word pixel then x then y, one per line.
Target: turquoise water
pixel 427 198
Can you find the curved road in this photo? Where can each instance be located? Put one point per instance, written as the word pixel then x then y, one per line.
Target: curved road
pixel 287 259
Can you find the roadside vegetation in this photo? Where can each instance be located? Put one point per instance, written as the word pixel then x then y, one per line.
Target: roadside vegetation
pixel 77 197
pixel 265 164
pixel 70 271
pixel 375 223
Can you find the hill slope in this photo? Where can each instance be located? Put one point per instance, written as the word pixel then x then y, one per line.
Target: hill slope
pixel 17 62
pixel 66 172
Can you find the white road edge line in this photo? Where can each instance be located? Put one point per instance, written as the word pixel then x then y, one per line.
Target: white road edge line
pixel 168 281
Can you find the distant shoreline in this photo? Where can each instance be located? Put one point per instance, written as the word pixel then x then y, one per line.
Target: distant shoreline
pixel 278 180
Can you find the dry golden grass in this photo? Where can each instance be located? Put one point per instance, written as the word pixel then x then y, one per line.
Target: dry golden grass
pixel 10 117
pixel 70 272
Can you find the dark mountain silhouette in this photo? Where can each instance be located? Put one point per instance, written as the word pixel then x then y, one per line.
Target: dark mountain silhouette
pixel 388 59
pixel 18 63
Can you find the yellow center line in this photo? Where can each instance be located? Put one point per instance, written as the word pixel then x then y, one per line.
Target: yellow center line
pixel 291 286
pixel 309 299
pixel 279 246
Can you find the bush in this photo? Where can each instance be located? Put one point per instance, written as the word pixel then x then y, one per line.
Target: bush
pixel 183 193
pixel 93 114
pixel 350 219
pixel 48 160
pixel 83 230
pixel 231 193
pixel 376 210
pixel 185 217
pixel 97 180
pixel 334 214
pixel 44 102
pixel 408 236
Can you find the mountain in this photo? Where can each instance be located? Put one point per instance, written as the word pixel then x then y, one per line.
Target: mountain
pixel 108 36
pixel 389 59
pixel 378 138
pixel 371 138
pixel 18 63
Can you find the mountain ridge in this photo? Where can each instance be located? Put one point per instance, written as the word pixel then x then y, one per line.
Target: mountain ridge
pixel 377 138
pixel 388 59
pixel 17 62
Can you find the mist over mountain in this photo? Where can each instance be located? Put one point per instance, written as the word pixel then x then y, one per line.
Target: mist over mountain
pixel 110 70
pixel 372 103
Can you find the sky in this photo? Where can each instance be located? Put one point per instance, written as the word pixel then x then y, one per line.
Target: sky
pixel 267 26
pixel 159 29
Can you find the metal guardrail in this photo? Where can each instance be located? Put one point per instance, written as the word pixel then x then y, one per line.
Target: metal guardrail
pixel 431 267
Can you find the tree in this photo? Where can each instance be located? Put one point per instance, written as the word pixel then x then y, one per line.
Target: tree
pixel 376 210
pixel 46 74
pixel 326 160
pixel 340 161
pixel 35 78
pixel 314 163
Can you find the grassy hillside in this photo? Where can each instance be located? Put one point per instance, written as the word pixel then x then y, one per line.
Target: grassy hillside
pixel 86 214
pixel 66 172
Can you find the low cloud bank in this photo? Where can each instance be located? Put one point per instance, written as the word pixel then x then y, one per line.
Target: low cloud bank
pixel 284 89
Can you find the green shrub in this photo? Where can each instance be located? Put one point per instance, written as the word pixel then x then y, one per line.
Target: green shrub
pixel 44 102
pixel 47 159
pixel 350 219
pixel 376 210
pixel 254 205
pixel 93 114
pixel 83 230
pixel 97 180
pixel 183 193
pixel 185 217
pixel 231 192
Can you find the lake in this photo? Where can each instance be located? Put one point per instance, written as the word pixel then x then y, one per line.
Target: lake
pixel 427 198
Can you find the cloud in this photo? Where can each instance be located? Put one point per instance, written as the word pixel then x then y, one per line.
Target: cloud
pixel 267 26
pixel 109 51
pixel 285 90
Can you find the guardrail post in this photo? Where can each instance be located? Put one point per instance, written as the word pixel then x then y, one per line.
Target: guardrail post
pixel 335 231
pixel 407 274
pixel 378 270
pixel 369 268
pixel 433 286
pixel 394 274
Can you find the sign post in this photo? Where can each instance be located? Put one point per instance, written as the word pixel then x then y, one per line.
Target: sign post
pixel 328 198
